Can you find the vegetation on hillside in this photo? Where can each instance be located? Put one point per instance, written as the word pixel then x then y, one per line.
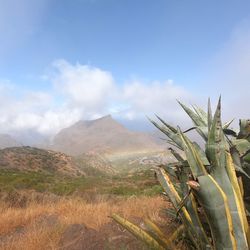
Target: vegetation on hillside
pixel 139 183
pixel 206 188
pixel 38 160
pixel 40 208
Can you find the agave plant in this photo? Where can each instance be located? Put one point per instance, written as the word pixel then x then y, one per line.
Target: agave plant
pixel 209 189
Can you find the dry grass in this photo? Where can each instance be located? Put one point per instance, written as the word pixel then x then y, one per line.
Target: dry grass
pixel 24 228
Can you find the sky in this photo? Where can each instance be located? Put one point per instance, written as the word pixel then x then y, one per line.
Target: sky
pixel 62 61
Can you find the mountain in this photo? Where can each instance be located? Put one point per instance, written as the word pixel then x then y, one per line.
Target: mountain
pixel 38 160
pixel 8 141
pixel 103 135
pixel 30 137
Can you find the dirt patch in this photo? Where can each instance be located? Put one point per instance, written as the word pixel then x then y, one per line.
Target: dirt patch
pixel 110 236
pixel 119 238
pixel 78 237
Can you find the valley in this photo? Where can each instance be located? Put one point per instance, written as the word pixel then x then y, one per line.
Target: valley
pixel 89 171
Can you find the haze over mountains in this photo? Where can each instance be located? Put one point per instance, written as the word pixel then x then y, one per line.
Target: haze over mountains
pixel 103 135
pixel 7 141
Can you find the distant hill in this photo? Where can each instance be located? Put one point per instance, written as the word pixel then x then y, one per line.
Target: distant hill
pixel 104 135
pixel 8 141
pixel 95 164
pixel 39 160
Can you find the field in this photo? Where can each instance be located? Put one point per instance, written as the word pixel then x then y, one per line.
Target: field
pixel 138 183
pixel 40 210
pixel 72 223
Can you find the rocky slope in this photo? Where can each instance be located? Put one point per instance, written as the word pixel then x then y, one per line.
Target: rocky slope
pixel 104 135
pixel 39 160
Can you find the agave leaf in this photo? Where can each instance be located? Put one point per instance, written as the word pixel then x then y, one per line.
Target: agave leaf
pixel 244 129
pixel 201 154
pixel 139 233
pixel 216 208
pixel 246 185
pixel 190 129
pixel 209 115
pixel 240 182
pixel 227 124
pixel 174 197
pixel 173 144
pixel 176 233
pixel 201 126
pixel 216 149
pixel 176 155
pixel 237 161
pixel 193 211
pixel 239 169
pixel 157 234
pixel 169 188
pixel 238 195
pixel 181 174
pixel 193 223
pixel 193 159
pixel 201 113
pixel 216 145
pixel 171 172
pixel 246 158
pixel 184 201
pixel 193 115
pixel 203 132
pixel 169 133
pixel 175 165
pixel 230 132
pixel 170 212
pixel 174 130
pixel 242 145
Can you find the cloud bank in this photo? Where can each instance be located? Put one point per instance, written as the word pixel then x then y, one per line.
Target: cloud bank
pixel 85 92
pixel 88 92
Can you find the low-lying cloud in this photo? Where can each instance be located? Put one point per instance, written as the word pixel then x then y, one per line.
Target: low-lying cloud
pixel 85 92
pixel 83 86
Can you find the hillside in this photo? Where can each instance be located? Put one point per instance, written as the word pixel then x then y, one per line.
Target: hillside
pixel 38 160
pixel 95 164
pixel 7 141
pixel 104 135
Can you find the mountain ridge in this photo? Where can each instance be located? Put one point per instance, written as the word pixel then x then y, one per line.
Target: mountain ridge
pixel 27 158
pixel 101 135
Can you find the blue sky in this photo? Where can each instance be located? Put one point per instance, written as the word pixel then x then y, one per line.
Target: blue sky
pixel 61 61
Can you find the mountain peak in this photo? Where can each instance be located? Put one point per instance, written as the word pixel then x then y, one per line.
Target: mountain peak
pixel 107 119
pixel 103 118
pixel 100 135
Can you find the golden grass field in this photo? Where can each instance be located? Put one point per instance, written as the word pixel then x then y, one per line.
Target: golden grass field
pixel 40 225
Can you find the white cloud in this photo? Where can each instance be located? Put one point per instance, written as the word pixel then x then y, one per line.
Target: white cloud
pixel 83 86
pixel 85 92
pixel 95 93
pixel 154 97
